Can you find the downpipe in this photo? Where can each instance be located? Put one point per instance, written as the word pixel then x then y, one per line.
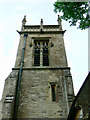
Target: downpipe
pixel 16 102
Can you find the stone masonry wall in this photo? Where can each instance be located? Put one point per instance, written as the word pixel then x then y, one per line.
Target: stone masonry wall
pixel 0 110
pixel 9 94
pixel 57 55
pixel 35 95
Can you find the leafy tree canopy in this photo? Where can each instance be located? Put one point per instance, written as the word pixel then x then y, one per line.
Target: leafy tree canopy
pixel 74 12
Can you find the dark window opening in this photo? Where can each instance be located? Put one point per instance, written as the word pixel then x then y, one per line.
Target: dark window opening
pixel 37 54
pixel 45 57
pixel 53 93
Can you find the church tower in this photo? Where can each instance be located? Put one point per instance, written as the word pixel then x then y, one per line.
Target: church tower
pixel 40 85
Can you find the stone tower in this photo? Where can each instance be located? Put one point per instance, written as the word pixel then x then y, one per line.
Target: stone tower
pixel 40 85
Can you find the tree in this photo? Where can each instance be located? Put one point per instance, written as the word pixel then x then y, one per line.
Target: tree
pixel 74 12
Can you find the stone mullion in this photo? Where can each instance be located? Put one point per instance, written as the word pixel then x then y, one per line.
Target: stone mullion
pixel 41 54
pixel 33 49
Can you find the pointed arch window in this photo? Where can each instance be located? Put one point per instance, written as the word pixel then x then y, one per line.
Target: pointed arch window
pixel 45 54
pixel 41 53
pixel 37 54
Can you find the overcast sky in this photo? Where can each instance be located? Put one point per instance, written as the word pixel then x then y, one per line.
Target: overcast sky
pixel 11 15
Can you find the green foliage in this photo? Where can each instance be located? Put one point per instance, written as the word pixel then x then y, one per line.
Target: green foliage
pixel 74 12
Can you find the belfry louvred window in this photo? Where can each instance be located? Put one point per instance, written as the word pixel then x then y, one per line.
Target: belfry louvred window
pixel 41 53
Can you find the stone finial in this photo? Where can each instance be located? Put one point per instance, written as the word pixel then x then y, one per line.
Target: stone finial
pixel 41 25
pixel 59 20
pixel 24 21
pixel 41 22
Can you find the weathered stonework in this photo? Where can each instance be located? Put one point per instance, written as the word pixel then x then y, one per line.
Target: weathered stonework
pixel 35 93
pixel 9 95
pixel 0 110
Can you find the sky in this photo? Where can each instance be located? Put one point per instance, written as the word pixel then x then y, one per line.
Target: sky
pixel 11 15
